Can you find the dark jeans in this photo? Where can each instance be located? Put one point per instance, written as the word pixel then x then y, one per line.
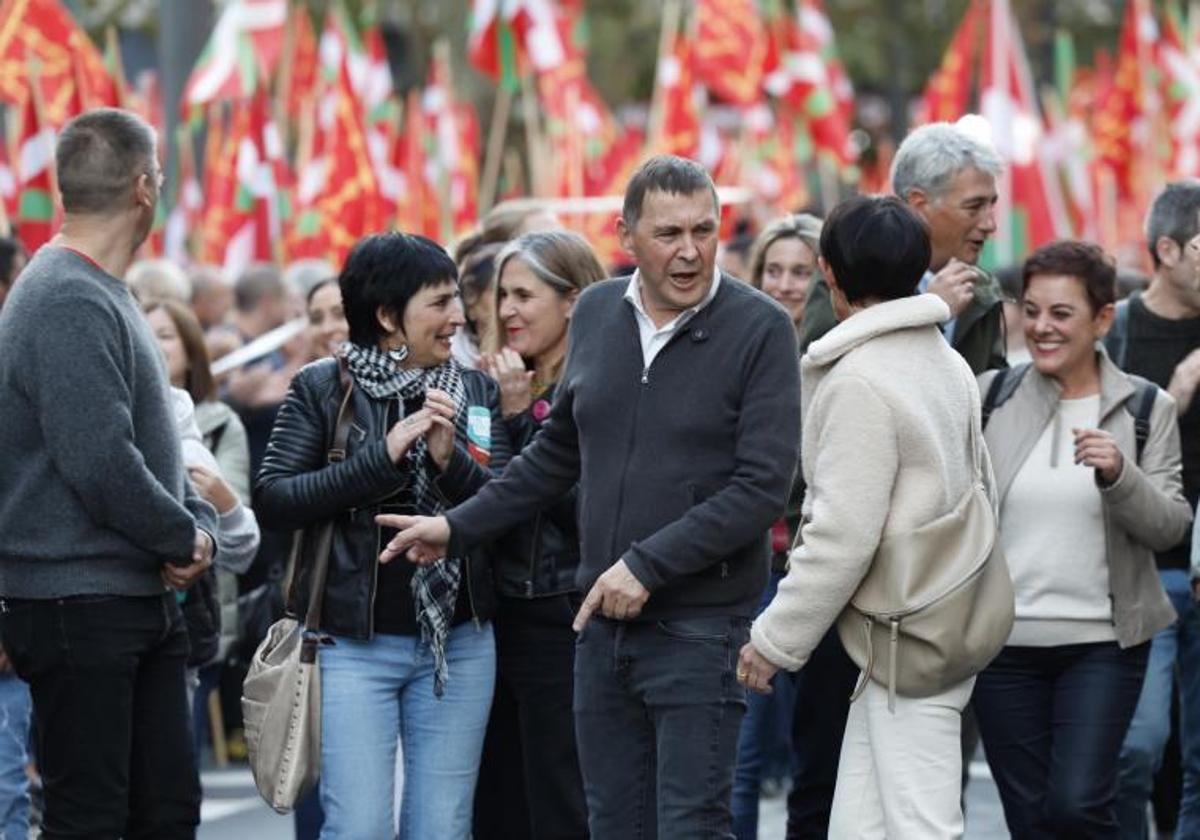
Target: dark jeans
pixel 114 738
pixel 657 713
pixel 823 688
pixel 529 783
pixel 1052 721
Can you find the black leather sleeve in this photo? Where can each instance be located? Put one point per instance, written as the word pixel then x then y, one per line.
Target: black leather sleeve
pixel 296 485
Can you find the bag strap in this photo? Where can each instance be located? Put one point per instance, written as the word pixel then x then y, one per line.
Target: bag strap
pixel 1003 386
pixel 1117 340
pixel 1141 407
pixel 323 534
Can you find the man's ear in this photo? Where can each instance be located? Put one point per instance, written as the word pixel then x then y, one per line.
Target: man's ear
pixel 1168 250
pixel 918 200
pixel 625 234
pixel 143 190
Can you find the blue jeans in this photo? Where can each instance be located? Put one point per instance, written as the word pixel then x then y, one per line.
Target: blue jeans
pixel 1052 721
pixel 1141 755
pixel 15 706
pixel 373 692
pixel 657 713
pixel 765 742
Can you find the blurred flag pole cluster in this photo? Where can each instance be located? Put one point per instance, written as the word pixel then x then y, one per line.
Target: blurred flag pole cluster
pixel 308 142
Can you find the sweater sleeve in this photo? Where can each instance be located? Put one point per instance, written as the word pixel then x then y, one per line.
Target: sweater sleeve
pixel 83 397
pixel 233 456
pixel 765 455
pixel 543 472
pixel 237 539
pixel 857 460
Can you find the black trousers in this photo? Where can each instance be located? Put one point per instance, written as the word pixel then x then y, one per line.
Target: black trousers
pixel 657 713
pixel 115 750
pixel 1053 720
pixel 823 688
pixel 529 782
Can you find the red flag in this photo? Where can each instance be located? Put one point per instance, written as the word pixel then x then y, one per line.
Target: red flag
pixel 1179 56
pixel 338 197
pixel 302 63
pixel 37 214
pixel 1031 210
pixel 730 46
pixel 42 32
pixel 250 227
pixel 240 54
pixel 1123 124
pixel 949 88
pixel 452 158
pixel 679 133
pixel 811 79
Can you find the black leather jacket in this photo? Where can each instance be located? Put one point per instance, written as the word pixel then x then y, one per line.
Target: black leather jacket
pixel 538 558
pixel 296 487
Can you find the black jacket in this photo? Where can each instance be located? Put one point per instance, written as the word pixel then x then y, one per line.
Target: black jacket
pixel 296 488
pixel 538 558
pixel 682 466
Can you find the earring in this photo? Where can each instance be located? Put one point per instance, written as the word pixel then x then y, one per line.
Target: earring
pixel 398 354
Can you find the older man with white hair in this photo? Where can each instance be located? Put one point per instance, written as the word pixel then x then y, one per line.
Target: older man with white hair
pixel 948 175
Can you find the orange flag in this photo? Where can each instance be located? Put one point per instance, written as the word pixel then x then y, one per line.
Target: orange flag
pixel 69 65
pixel 731 45
pixel 949 88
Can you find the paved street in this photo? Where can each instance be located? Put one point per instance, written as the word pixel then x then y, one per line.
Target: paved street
pixel 233 811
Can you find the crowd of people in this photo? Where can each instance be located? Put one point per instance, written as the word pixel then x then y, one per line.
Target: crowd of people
pixel 608 545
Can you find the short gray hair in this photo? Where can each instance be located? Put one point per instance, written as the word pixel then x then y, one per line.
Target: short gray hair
pixel 1175 213
pixel 98 157
pixel 933 154
pixel 669 174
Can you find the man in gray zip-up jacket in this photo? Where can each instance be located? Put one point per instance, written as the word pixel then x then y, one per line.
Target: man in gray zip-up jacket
pixel 678 413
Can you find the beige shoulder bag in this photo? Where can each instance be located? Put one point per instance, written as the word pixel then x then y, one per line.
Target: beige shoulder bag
pixel 937 604
pixel 281 696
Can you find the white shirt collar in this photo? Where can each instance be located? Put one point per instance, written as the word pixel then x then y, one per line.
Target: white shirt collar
pixel 633 294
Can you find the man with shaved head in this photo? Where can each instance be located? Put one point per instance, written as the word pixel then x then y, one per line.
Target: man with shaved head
pixel 99 526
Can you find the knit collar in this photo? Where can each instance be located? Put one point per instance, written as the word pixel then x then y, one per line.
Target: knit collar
pixel 874 321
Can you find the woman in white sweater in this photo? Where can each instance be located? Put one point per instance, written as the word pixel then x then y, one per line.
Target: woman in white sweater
pixel 888 447
pixel 1083 506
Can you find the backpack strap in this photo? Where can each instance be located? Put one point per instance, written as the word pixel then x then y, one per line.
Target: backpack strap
pixel 1117 340
pixel 1141 405
pixel 1003 386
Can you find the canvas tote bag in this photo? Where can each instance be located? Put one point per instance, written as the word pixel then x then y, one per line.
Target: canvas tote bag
pixel 281 696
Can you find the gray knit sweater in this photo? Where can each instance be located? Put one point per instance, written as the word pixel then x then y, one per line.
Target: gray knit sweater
pixel 93 495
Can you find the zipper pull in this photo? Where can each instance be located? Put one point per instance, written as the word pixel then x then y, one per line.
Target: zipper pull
pixel 645 376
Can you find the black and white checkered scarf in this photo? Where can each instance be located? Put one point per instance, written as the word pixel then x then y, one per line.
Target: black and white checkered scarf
pixel 434 587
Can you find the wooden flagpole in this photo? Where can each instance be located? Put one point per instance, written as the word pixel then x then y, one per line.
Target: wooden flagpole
pixel 495 148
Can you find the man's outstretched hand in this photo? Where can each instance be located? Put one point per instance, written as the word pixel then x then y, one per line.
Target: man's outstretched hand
pixel 422 538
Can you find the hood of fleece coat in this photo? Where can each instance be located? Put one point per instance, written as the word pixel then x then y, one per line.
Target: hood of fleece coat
pixel 874 321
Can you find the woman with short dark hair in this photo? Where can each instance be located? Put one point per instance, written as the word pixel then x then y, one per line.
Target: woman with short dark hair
pixel 1084 504
pixel 891 443
pixel 412 656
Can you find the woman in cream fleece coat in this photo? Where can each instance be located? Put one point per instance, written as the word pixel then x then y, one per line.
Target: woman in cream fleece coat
pixel 887 413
